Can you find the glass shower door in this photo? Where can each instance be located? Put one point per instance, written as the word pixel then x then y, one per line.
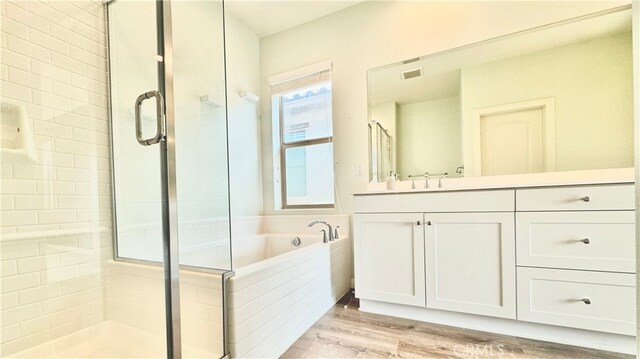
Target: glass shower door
pixel 173 196
pixel 143 144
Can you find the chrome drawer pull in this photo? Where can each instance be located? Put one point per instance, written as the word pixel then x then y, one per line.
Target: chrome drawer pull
pixel 586 301
pixel 585 241
pixel 586 199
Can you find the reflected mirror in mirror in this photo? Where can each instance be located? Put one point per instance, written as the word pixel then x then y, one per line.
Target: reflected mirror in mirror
pixel 555 98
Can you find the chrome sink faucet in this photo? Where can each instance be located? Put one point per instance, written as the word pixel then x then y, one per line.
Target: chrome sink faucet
pixel 324 239
pixel 445 175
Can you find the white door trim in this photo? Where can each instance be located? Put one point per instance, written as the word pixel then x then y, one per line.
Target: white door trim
pixel 547 105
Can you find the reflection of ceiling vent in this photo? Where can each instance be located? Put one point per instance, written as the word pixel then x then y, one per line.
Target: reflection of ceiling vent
pixel 409 74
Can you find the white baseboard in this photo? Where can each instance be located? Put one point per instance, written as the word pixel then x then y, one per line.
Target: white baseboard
pixel 570 336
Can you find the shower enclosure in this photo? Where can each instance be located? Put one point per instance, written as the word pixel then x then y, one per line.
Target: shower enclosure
pixel 380 152
pixel 116 236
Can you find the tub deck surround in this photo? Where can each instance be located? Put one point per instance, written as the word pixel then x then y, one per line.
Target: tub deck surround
pixel 243 228
pixel 274 301
pixel 298 223
pixel 533 260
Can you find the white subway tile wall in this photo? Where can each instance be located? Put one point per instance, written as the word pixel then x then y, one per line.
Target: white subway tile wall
pixel 55 211
pixel 58 283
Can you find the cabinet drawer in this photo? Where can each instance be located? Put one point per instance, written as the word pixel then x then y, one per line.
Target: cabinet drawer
pixel 437 201
pixel 560 297
pixel 595 240
pixel 579 198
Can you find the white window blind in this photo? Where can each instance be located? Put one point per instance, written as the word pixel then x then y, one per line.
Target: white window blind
pixel 302 77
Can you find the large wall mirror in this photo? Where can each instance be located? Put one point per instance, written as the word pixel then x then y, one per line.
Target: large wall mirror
pixel 554 98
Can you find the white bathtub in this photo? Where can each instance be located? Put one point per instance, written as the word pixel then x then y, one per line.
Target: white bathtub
pixel 258 248
pixel 280 290
pixel 246 250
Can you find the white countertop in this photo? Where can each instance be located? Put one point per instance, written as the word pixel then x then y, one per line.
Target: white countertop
pixel 568 178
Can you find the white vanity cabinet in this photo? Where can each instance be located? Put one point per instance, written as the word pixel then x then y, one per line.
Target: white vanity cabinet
pixel 469 252
pixel 542 261
pixel 471 263
pixel 389 257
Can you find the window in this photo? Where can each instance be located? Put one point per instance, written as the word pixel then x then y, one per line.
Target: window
pixel 303 140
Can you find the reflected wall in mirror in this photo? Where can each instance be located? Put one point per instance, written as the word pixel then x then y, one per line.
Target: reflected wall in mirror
pixel 555 98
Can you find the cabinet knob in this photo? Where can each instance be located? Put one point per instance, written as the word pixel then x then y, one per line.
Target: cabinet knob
pixel 585 240
pixel 418 223
pixel 586 199
pixel 428 223
pixel 586 301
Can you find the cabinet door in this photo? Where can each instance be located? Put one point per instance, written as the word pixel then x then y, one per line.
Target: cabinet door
pixel 389 258
pixel 471 263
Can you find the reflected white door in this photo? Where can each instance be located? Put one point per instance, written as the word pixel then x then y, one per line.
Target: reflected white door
pixel 512 142
pixel 514 138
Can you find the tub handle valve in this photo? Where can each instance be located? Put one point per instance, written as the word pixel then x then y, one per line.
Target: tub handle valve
pixel 295 241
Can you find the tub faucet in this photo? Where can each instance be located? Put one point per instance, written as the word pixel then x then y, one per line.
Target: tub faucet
pixel 326 224
pixel 324 235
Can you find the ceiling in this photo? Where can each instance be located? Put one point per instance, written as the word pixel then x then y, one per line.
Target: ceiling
pixel 388 86
pixel 269 17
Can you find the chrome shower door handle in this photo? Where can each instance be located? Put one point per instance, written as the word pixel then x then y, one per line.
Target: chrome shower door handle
pixel 159 116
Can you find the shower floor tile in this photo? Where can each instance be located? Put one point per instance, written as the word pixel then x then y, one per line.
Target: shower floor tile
pixel 109 339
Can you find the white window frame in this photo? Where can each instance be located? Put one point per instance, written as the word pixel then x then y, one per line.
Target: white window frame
pixel 279 146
